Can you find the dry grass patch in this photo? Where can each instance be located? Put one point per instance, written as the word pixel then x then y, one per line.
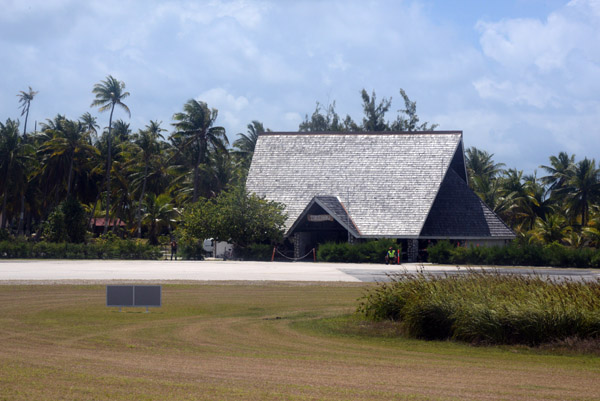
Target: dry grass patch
pixel 252 342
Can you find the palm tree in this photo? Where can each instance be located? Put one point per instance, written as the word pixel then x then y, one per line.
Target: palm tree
pixel 159 212
pixel 90 124
pixel 560 170
pixel 481 164
pixel 552 229
pixel 25 99
pixel 245 144
pixel 195 129
pixel 68 144
pixel 582 189
pixel 148 147
pixel 109 93
pixel 15 156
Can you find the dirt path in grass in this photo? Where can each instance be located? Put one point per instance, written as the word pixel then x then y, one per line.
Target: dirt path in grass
pixel 249 342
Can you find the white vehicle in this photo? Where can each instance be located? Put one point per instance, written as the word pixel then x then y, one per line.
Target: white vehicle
pixel 218 249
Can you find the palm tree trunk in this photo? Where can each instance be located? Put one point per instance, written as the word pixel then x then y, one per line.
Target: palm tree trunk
pixel 139 211
pixel 108 169
pixel 21 215
pixel 26 117
pixel 196 168
pixel 4 196
pixel 69 177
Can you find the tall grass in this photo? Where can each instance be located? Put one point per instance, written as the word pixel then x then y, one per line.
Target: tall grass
pixel 489 308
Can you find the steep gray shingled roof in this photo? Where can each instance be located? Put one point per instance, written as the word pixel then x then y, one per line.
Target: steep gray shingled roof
pixel 387 180
pixel 334 207
pixel 458 212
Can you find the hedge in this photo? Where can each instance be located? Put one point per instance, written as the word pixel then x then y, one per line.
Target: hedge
pixel 361 252
pixel 114 249
pixel 515 253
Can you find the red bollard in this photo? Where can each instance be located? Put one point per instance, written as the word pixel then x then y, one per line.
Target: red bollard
pixel 273 256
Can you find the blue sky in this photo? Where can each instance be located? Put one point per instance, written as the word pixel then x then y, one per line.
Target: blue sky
pixel 520 78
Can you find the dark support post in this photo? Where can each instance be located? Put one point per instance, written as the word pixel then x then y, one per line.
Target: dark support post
pixel 314 255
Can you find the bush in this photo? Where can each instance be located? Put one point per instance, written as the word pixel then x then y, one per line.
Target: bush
pixel 100 249
pixel 260 252
pixel 362 252
pixel 190 248
pixel 517 253
pixel 487 308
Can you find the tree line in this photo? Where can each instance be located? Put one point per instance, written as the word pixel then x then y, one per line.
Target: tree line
pixel 144 180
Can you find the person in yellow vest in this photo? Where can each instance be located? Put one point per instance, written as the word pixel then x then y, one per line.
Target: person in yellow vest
pixel 390 256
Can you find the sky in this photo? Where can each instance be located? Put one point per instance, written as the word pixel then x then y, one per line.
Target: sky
pixel 520 78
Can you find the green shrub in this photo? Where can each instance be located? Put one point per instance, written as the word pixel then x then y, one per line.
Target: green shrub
pixel 260 252
pixel 487 307
pixel 115 249
pixel 190 249
pixel 516 253
pixel 362 252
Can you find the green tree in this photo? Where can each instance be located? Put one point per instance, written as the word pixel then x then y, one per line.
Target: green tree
pixel 68 148
pixel 237 217
pixel 146 142
pixel 25 99
pixel 15 157
pixel 158 213
pixel 582 189
pixel 90 124
pixel 109 93
pixel 245 144
pixel 374 114
pixel 194 128
pixel 559 171
pixel 481 164
pixel 411 121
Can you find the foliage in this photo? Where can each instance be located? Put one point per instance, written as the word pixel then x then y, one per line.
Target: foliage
pixel 234 216
pixel 487 307
pixel 260 252
pixel 362 252
pixel 516 253
pixel 113 248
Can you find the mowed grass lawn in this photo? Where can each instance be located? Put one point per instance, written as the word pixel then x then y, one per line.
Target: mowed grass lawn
pixel 253 342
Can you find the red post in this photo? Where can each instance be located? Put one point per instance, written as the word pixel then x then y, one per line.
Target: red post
pixel 314 255
pixel 273 256
pixel 398 252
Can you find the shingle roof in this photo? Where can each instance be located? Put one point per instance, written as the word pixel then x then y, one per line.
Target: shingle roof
pixel 386 181
pixel 334 207
pixel 458 212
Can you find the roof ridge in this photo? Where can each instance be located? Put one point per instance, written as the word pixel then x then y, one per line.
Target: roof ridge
pixel 361 133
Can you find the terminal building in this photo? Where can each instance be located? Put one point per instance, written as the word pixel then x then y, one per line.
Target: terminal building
pixel 343 186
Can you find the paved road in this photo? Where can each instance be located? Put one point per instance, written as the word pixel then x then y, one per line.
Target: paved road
pixel 39 271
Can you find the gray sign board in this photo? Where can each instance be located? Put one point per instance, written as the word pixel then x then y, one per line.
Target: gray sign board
pixel 134 295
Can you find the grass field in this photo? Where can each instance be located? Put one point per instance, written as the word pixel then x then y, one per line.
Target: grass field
pixel 253 342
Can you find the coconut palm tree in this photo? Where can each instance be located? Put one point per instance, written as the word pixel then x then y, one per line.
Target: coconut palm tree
pixel 245 144
pixel 67 145
pixel 25 99
pixel 194 129
pixel 148 147
pixel 582 189
pixel 15 156
pixel 480 164
pixel 159 212
pixel 90 124
pixel 559 171
pixel 109 93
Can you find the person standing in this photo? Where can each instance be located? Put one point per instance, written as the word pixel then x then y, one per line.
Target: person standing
pixel 173 249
